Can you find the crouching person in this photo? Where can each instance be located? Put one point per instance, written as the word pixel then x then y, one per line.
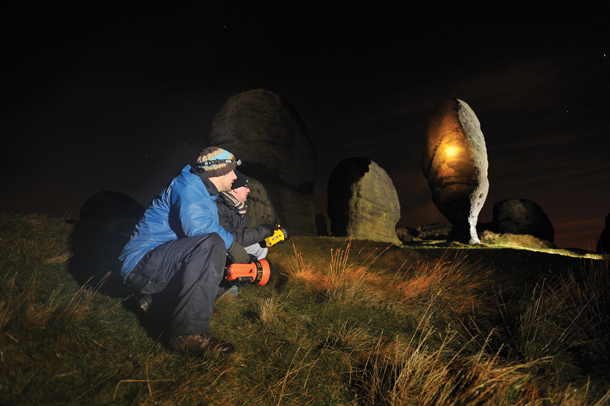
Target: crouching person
pixel 232 207
pixel 179 239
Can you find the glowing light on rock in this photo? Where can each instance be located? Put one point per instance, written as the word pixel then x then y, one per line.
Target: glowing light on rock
pixel 455 164
pixel 451 152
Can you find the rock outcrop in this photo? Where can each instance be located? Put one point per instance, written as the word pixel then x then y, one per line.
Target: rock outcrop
pixel 603 244
pixel 260 208
pixel 268 135
pixel 362 201
pixel 427 232
pixel 522 216
pixel 455 165
pixel 108 205
pixel 106 222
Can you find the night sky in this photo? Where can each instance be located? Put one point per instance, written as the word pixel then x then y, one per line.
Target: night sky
pixel 111 101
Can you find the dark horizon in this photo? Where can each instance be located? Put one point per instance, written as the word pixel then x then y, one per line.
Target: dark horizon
pixel 121 103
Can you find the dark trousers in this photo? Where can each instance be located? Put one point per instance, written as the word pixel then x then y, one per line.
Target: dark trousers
pixel 195 265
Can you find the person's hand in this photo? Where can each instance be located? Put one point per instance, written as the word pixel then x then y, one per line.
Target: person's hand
pixel 238 254
pixel 271 228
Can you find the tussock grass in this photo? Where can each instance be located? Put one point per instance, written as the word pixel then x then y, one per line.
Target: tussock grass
pixel 515 240
pixel 567 319
pixel 342 322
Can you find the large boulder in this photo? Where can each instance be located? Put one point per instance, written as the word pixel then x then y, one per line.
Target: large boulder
pixel 522 216
pixel 268 135
pixel 106 222
pixel 109 205
pixel 362 201
pixel 603 244
pixel 455 165
pixel 260 208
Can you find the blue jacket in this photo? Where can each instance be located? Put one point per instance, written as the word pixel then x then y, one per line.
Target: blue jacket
pixel 185 208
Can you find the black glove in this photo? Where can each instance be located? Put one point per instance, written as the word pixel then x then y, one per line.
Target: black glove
pixel 271 228
pixel 238 254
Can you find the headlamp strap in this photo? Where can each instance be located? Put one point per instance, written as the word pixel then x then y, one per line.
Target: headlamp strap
pixel 219 162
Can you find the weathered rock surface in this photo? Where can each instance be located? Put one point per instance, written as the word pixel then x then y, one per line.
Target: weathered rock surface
pixel 268 135
pixel 436 231
pixel 522 216
pixel 362 201
pixel 260 208
pixel 603 244
pixel 455 165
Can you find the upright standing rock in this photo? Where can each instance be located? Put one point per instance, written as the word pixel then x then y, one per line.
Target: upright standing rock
pixel 362 201
pixel 603 244
pixel 455 164
pixel 268 135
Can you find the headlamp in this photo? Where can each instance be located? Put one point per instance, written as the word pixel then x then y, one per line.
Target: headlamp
pixel 219 162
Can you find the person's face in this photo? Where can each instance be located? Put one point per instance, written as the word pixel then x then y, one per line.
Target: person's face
pixel 223 183
pixel 241 193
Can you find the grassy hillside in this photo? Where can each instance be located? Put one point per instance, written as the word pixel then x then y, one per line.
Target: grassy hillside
pixel 341 323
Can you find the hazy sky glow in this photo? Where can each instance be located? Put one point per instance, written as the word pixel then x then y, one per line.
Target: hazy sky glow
pixel 121 103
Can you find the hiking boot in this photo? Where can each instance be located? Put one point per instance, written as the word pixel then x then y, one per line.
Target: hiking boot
pixel 145 302
pixel 197 344
pixel 233 291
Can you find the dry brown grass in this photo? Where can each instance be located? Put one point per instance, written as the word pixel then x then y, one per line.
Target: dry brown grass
pixel 386 326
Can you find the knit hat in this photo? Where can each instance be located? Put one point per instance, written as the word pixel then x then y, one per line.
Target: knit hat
pixel 240 181
pixel 216 162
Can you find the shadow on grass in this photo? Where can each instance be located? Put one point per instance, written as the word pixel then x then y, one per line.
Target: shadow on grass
pixel 96 244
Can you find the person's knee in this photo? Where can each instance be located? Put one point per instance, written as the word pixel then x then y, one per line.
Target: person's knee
pixel 213 247
pixel 216 239
pixel 216 245
pixel 209 241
